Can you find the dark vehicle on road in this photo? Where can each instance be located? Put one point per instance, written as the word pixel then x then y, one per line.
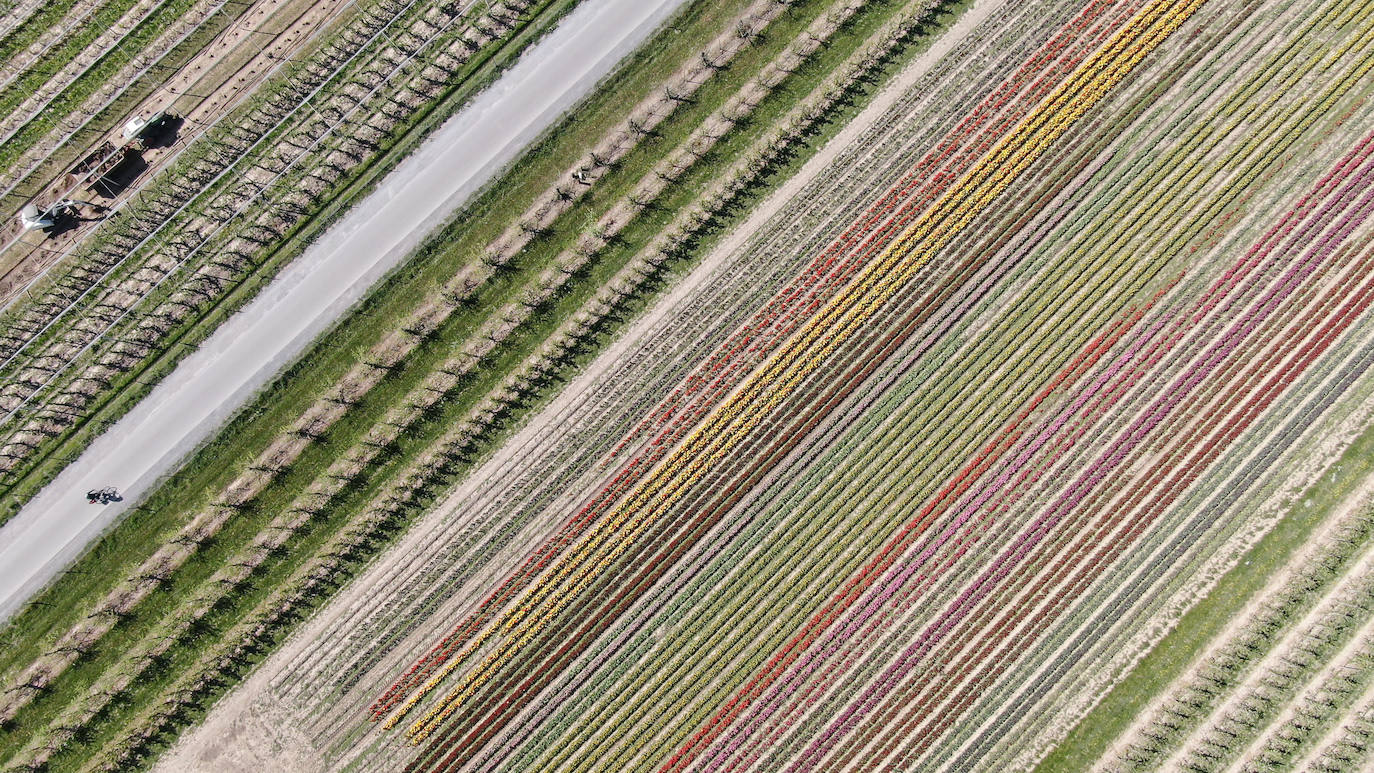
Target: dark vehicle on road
pixel 103 496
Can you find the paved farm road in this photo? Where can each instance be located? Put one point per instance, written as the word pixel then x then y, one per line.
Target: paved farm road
pixel 249 349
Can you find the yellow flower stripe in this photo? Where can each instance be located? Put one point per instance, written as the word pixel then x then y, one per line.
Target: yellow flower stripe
pixel 830 329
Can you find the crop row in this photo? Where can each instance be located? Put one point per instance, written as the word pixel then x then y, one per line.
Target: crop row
pixel 1153 566
pixel 1126 594
pixel 934 173
pixel 1093 639
pixel 1180 545
pixel 994 663
pixel 735 357
pixel 1121 595
pixel 1071 645
pixel 850 308
pixel 522 472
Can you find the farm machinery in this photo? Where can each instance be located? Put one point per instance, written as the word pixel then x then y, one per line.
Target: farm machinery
pixel 100 173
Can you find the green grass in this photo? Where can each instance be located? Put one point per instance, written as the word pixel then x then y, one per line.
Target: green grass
pixel 209 468
pixel 1196 629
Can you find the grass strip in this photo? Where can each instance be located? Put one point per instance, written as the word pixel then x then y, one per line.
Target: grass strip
pixel 1253 574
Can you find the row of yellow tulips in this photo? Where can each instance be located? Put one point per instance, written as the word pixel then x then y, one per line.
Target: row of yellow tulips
pixel 829 330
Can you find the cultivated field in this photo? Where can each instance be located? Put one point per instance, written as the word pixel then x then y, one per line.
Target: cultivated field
pixel 846 384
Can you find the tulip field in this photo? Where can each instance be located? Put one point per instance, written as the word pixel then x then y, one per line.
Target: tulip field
pixel 1023 424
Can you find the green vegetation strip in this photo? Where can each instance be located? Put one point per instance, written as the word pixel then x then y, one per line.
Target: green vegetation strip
pixel 1196 629
pixel 23 36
